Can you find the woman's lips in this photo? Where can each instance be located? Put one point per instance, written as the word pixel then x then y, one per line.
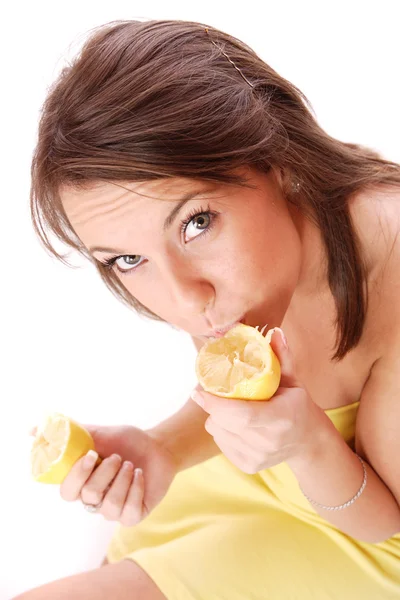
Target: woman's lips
pixel 217 333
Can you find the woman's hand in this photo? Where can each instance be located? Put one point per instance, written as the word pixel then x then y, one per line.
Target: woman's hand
pixel 256 435
pixel 125 499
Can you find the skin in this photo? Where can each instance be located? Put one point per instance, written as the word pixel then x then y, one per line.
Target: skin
pixel 203 279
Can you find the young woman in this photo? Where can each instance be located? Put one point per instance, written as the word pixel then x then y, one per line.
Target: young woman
pixel 199 183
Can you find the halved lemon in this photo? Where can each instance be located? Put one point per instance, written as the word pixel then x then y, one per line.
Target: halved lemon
pixel 241 364
pixel 58 444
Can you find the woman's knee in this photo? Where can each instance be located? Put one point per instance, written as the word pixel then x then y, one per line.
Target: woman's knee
pixel 123 580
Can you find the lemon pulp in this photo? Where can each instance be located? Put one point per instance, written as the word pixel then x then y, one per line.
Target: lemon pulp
pixel 241 364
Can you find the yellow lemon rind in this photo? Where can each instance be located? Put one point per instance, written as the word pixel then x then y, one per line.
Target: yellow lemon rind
pixel 78 442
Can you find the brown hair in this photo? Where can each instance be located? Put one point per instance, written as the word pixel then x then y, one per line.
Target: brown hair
pixel 157 99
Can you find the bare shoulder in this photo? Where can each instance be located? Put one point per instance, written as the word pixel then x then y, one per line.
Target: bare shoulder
pixel 376 217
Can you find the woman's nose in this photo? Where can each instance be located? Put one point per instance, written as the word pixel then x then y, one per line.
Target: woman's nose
pixel 189 290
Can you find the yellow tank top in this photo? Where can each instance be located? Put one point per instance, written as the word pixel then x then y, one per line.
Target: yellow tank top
pixel 222 533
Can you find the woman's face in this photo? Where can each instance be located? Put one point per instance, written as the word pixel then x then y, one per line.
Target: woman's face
pixel 229 254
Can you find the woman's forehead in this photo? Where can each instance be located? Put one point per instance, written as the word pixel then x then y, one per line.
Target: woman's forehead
pixel 85 203
pixel 103 214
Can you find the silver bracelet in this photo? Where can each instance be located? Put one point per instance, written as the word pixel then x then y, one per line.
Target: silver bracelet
pixel 346 504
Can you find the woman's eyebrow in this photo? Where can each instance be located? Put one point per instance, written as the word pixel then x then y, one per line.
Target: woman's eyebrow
pixel 167 223
pixel 171 217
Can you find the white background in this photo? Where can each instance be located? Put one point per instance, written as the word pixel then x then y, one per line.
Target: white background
pixel 66 343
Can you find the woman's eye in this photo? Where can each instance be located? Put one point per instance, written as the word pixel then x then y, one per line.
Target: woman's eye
pixel 199 222
pixel 128 262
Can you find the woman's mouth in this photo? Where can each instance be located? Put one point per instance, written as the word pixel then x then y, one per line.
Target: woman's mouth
pixel 220 332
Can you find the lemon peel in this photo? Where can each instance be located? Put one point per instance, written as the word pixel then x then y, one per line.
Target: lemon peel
pixel 58 444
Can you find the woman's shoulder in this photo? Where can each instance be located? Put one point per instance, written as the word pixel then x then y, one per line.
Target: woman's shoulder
pixel 376 218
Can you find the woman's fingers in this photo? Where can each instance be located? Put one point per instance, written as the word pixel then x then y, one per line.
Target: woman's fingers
pixel 81 474
pixel 116 496
pixel 94 489
pixel 133 509
pixel 116 486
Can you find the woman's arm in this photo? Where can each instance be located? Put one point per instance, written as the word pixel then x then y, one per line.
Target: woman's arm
pixel 333 473
pixel 184 436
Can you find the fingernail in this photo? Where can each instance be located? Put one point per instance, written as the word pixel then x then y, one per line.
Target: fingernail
pixel 90 459
pixel 137 473
pixel 197 398
pixel 283 337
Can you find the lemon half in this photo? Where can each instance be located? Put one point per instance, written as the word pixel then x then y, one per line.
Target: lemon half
pixel 241 364
pixel 58 444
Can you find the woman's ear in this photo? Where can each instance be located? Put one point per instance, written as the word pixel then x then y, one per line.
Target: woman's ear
pixel 286 181
pixel 280 176
pixel 278 172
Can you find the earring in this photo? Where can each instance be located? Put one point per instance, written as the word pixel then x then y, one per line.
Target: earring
pixel 295 187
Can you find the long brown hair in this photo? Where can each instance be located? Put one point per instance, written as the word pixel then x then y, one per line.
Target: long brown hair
pixel 157 99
